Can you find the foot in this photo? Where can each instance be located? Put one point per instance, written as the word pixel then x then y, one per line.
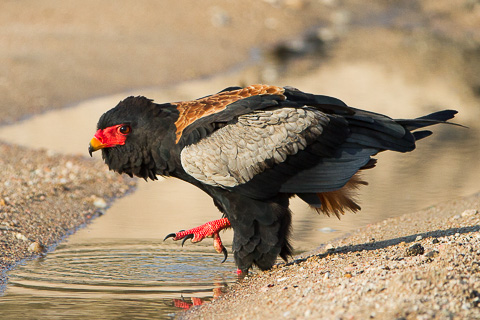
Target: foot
pixel 181 303
pixel 207 230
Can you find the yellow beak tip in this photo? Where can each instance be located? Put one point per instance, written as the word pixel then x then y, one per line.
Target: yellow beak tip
pixel 94 145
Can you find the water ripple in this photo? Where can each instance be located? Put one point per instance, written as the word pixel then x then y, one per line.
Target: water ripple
pixel 113 273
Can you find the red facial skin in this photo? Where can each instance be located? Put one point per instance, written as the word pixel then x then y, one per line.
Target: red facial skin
pixel 112 136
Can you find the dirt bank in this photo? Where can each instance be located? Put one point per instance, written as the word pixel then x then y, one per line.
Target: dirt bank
pixel 424 265
pixel 45 197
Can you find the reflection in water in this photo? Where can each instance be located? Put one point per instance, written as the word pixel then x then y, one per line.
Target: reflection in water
pixel 117 279
pixel 119 267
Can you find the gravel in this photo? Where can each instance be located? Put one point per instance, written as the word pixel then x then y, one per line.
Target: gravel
pixel 45 197
pixel 360 279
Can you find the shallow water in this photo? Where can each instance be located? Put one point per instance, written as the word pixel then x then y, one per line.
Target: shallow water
pixel 119 267
pixel 111 280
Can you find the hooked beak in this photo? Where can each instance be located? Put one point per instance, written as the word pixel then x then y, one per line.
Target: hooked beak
pixel 95 145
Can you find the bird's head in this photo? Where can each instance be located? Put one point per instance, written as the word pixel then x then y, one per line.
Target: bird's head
pixel 130 137
pixel 109 137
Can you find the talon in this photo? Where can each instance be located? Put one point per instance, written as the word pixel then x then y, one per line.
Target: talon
pixel 209 229
pixel 188 236
pixel 225 254
pixel 170 235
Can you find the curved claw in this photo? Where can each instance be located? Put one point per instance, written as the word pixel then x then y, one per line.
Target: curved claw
pixel 188 236
pixel 225 254
pixel 170 235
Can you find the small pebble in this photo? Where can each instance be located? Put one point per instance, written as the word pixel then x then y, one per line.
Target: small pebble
pixel 20 236
pixel 36 247
pixel 415 250
pixel 431 254
pixel 329 247
pixel 418 238
pixel 468 213
pixel 466 306
pixel 99 203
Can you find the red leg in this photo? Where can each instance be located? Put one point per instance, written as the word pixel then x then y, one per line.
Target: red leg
pixel 185 305
pixel 207 230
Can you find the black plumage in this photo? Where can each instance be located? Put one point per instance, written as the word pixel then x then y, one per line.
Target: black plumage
pixel 253 148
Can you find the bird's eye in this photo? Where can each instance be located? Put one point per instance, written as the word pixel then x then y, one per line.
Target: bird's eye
pixel 125 129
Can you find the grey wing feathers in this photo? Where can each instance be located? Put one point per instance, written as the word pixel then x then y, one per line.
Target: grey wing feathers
pixel 330 173
pixel 236 153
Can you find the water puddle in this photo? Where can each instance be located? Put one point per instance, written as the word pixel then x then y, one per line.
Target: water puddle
pixel 119 267
pixel 111 280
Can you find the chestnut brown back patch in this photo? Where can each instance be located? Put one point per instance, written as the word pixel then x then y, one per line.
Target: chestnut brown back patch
pixel 191 111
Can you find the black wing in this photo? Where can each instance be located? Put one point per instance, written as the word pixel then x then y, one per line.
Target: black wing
pixel 291 142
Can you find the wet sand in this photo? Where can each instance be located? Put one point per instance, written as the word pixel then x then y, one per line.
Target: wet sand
pixel 54 55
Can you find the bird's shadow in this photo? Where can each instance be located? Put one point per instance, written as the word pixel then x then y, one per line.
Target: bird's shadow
pixel 375 245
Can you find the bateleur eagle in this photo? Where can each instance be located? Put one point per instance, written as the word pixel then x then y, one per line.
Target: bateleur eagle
pixel 251 149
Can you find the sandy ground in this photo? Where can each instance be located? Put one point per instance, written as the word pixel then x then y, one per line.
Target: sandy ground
pixel 46 196
pixel 56 53
pixel 424 265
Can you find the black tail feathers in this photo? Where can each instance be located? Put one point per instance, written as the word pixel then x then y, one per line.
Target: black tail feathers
pixel 428 120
